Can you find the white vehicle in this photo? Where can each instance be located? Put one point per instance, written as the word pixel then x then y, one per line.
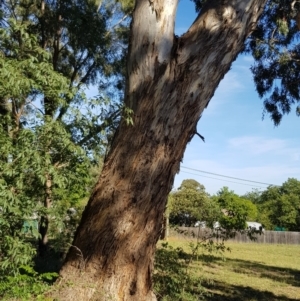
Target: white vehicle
pixel 255 226
pixel 216 225
pixel 200 224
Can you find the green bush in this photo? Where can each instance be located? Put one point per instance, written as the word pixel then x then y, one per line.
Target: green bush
pixel 28 285
pixel 174 279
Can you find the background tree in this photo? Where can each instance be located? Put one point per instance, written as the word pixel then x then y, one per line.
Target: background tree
pixel 49 52
pixel 23 156
pixel 254 196
pixel 236 210
pixel 280 206
pixel 70 45
pixel 190 203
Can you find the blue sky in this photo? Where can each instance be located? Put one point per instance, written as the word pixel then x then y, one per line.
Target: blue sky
pixel 238 143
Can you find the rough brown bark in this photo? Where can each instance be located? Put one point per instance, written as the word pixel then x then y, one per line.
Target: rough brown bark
pixel 170 82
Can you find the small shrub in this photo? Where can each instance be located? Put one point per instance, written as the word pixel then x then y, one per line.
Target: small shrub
pixel 174 278
pixel 28 285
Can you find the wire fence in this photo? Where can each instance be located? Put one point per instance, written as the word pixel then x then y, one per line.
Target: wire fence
pixel 267 237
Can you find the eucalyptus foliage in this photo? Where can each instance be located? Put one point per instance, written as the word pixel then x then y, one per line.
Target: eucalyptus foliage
pixel 275 47
pixel 51 133
pixel 26 162
pixel 276 50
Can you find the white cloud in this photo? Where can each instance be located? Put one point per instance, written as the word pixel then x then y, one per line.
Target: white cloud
pixel 247 58
pixel 236 82
pixel 259 146
pixel 254 158
pixel 272 173
pixel 230 84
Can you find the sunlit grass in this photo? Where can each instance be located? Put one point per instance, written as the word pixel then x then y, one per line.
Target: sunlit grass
pixel 251 272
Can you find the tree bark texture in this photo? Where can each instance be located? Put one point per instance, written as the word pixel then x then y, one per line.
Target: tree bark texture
pixel 170 82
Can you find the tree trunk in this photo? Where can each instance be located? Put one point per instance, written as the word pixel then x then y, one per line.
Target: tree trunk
pixel 165 227
pixel 44 222
pixel 170 82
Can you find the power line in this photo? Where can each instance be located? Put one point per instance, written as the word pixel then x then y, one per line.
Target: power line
pixel 219 175
pixel 221 179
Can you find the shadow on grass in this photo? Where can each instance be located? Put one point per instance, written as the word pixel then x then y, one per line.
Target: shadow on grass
pixel 279 274
pixel 223 292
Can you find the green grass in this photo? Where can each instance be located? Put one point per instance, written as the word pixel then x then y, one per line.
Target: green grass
pixel 250 272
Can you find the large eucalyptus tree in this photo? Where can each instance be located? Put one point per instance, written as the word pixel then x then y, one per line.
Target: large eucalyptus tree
pixel 170 81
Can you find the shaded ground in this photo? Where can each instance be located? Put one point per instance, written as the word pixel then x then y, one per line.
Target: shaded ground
pixel 227 292
pixel 249 273
pixel 286 275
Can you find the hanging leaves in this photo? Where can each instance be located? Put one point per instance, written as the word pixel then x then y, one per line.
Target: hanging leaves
pixel 275 47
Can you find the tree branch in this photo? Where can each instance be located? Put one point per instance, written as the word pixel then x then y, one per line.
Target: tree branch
pixel 201 137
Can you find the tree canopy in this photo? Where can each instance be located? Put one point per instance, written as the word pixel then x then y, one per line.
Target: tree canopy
pixel 236 210
pixel 274 45
pixel 52 135
pixel 190 203
pixel 280 206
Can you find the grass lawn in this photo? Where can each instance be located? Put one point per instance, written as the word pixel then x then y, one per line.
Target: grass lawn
pixel 250 272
